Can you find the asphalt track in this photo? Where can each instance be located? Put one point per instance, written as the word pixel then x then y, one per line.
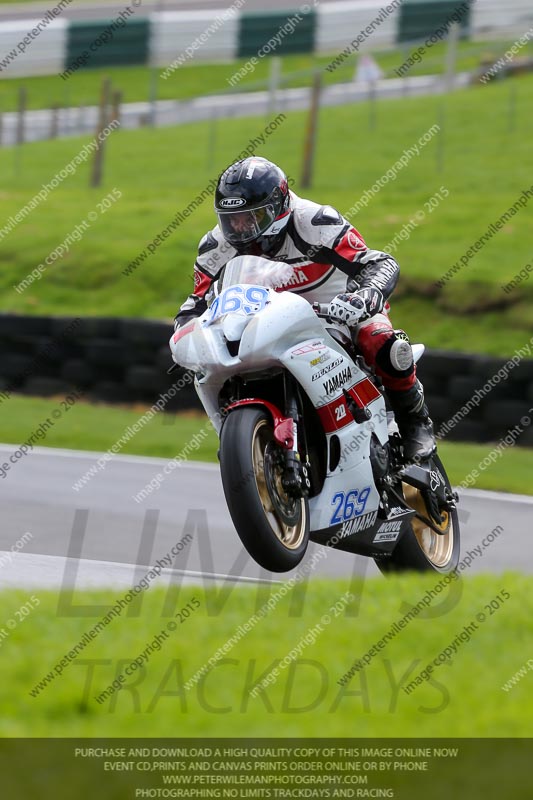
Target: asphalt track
pixel 99 535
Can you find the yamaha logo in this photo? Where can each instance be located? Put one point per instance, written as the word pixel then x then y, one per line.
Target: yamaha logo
pixel 355 242
pixel 232 202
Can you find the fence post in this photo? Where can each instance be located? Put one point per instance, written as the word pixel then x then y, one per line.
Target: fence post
pixel 54 120
pixel 372 106
pixel 451 56
pixel 117 101
pixel 511 116
pixel 152 97
pixel 79 119
pixel 311 133
pixel 21 117
pixel 440 137
pixel 273 84
pixel 212 141
pixel 96 174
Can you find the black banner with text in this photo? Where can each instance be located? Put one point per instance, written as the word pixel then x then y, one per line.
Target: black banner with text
pixel 405 769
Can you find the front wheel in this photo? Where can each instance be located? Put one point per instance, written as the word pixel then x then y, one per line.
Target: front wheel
pixel 273 527
pixel 421 548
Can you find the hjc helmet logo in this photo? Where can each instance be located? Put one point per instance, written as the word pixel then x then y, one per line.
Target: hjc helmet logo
pixel 232 202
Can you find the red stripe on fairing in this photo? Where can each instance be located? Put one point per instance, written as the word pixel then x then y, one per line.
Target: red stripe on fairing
pixel 363 393
pixel 328 417
pixel 306 275
pixel 183 331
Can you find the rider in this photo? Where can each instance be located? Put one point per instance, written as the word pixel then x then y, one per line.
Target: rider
pixel 259 215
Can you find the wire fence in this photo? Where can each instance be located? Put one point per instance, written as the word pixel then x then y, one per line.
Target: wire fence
pixel 77 110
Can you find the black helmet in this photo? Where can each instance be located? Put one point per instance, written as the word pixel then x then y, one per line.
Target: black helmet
pixel 253 205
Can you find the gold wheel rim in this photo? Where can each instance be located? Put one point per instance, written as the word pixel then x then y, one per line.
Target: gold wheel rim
pixel 290 536
pixel 437 547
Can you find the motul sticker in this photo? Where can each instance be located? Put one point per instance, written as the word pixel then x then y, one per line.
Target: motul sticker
pixel 388 532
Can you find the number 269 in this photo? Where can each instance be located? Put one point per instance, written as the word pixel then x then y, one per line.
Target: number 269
pixel 349 504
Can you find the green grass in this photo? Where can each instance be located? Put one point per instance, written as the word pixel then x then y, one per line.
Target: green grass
pixel 511 473
pixel 90 426
pixel 97 427
pixel 486 166
pixel 464 698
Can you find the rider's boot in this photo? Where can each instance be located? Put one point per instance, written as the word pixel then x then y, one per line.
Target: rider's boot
pixel 414 423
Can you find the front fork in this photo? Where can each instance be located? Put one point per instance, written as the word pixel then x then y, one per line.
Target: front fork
pixel 295 480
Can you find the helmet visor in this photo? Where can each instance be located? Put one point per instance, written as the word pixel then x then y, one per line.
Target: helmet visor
pixel 239 227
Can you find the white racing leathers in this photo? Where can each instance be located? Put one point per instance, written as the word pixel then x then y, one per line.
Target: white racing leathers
pixel 328 256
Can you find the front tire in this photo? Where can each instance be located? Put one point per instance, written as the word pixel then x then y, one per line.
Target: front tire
pixel 273 527
pixel 420 548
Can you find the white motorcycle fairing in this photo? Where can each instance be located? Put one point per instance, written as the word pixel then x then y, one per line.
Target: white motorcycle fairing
pixel 252 331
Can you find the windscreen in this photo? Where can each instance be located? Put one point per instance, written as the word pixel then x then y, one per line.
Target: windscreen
pixel 256 270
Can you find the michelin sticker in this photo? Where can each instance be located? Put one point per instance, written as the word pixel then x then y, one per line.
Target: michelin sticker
pixel 388 532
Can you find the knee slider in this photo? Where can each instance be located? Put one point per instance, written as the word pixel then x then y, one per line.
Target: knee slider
pixel 401 355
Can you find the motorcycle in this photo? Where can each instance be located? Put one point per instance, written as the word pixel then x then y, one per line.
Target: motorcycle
pixel 309 449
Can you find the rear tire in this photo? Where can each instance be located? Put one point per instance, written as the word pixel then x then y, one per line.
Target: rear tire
pixel 421 549
pixel 273 527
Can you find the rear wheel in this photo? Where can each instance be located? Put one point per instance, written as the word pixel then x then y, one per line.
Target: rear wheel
pixel 273 526
pixel 421 548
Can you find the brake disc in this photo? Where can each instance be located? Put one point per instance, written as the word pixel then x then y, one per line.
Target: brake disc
pixel 287 507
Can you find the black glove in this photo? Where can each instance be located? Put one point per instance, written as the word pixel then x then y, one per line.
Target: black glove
pixel 373 300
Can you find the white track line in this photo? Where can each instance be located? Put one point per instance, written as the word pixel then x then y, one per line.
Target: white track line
pixel 48 572
pixel 486 494
pixel 94 455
